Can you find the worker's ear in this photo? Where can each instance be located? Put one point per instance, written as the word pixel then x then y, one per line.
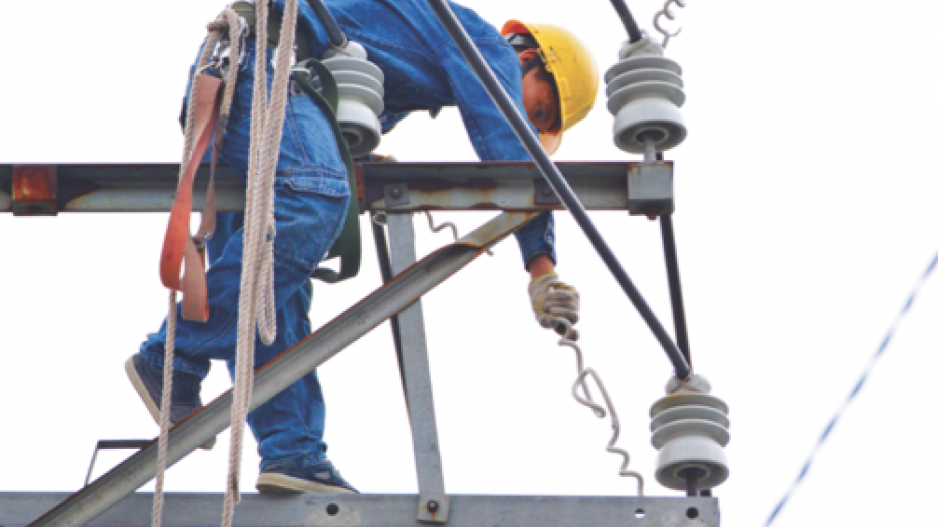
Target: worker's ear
pixel 527 55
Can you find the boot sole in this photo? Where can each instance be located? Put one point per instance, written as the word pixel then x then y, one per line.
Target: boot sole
pixel 272 483
pixel 144 394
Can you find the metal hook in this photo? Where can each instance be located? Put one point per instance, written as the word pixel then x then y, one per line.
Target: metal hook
pixel 666 12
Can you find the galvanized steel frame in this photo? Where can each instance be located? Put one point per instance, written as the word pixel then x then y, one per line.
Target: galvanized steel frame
pixel 434 504
pixel 375 510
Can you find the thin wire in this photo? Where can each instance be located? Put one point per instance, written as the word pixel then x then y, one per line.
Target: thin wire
pixel 587 400
pixel 856 390
pixel 452 226
pixel 666 12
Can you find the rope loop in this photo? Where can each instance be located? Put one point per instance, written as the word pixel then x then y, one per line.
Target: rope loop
pixel 257 303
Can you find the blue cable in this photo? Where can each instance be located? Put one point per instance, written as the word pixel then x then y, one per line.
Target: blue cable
pixel 855 391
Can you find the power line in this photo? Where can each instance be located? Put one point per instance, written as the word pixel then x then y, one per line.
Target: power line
pixel 856 390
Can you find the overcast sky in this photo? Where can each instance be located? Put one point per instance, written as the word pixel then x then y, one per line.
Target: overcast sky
pixel 805 213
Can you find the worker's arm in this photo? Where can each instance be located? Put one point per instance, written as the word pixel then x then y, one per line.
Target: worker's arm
pixel 491 136
pixel 553 301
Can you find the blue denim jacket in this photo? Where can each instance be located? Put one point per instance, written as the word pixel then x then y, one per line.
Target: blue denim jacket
pixel 425 71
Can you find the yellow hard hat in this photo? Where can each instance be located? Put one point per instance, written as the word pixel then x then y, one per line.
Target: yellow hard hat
pixel 575 74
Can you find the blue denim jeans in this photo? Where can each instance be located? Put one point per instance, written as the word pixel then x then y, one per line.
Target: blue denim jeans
pixel 311 199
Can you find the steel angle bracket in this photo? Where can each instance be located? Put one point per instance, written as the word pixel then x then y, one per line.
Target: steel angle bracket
pixel 290 366
pixel 651 189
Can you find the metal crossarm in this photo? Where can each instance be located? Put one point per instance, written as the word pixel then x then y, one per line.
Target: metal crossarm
pixel 52 189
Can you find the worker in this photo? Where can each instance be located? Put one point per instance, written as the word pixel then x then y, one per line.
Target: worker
pixel 423 71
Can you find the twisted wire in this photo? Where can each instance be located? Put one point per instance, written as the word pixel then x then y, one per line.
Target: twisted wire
pixel 598 409
pixel 666 12
pixel 851 397
pixel 437 228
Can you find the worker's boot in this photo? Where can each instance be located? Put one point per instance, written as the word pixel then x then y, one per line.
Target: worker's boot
pixel 321 478
pixel 148 381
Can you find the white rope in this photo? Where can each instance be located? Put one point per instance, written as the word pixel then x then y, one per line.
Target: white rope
pixel 257 304
pixel 598 409
pixel 157 518
pixel 228 21
pixel 166 397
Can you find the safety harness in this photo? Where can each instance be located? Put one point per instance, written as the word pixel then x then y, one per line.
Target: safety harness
pixel 180 248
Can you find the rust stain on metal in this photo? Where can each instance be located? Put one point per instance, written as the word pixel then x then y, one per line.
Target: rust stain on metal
pixel 34 189
pixel 34 183
pixel 433 507
pixel 360 182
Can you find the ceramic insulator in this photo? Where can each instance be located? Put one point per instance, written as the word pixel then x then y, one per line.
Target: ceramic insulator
pixel 689 429
pixel 361 97
pixel 645 94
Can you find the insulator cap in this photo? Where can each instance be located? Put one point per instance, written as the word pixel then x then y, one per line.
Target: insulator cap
pixel 690 428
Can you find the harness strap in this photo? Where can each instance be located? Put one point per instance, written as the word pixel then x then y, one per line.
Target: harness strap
pixel 176 247
pixel 348 244
pixel 179 247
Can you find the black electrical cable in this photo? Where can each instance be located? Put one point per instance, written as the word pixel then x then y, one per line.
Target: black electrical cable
pixel 635 34
pixel 674 286
pixel 674 283
pixel 384 262
pixel 336 36
pixel 556 180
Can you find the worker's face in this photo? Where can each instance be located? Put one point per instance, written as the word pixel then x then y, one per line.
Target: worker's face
pixel 539 96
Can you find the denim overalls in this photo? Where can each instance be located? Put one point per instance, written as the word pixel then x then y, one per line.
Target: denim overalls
pixel 423 71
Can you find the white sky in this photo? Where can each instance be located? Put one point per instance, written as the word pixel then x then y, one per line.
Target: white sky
pixel 806 211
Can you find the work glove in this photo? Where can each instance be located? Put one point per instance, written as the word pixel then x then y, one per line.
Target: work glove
pixel 553 300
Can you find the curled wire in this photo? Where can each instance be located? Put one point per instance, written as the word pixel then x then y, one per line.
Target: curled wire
pixel 599 410
pixel 666 12
pixel 437 228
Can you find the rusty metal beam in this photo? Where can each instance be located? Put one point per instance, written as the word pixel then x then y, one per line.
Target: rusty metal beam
pixel 420 186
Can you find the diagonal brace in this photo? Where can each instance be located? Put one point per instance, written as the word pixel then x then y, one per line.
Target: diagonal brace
pixel 287 368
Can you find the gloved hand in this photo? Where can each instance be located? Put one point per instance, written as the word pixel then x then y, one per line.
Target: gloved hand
pixel 552 299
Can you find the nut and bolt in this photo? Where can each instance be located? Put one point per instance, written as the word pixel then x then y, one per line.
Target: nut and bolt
pixel 433 506
pixel 396 192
